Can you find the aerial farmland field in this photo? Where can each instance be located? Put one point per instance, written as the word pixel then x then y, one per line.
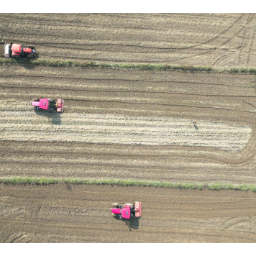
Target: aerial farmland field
pixel 185 39
pixel 178 126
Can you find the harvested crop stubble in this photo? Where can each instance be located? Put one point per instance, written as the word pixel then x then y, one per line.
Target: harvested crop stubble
pixel 151 111
pixel 117 129
pixel 180 39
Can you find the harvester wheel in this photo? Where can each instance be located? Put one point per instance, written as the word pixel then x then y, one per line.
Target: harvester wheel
pixel 115 204
pixel 31 47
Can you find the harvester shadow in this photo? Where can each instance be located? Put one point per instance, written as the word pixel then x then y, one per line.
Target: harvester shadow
pixel 26 62
pixel 53 118
pixel 68 186
pixel 132 223
pixel 196 127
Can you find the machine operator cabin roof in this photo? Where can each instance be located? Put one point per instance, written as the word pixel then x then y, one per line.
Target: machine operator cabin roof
pixel 16 48
pixel 43 103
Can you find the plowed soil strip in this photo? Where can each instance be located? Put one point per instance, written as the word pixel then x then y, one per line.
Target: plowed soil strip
pixel 81 213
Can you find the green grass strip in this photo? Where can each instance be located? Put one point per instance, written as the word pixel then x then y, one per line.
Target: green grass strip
pixel 47 62
pixel 92 64
pixel 48 181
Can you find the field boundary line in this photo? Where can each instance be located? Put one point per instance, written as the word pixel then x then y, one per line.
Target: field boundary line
pixel 92 64
pixel 15 180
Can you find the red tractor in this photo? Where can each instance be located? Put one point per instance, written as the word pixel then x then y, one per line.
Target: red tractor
pixel 127 211
pixel 48 105
pixel 18 50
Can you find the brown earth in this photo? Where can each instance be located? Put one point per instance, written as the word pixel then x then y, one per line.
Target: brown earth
pixel 129 124
pixel 1 49
pixel 81 213
pixel 182 39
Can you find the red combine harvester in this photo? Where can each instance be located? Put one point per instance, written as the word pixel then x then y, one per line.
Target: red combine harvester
pixel 18 50
pixel 48 105
pixel 127 211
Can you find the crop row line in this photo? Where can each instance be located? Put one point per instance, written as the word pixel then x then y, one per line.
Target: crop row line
pixel 200 186
pixel 92 64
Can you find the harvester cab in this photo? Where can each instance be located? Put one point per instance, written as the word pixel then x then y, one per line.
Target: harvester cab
pixel 127 211
pixel 48 105
pixel 18 50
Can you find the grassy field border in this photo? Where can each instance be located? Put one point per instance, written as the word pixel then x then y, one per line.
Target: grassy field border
pixel 92 64
pixel 47 181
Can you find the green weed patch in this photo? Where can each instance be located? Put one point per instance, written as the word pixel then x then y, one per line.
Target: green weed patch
pixel 48 181
pixel 92 64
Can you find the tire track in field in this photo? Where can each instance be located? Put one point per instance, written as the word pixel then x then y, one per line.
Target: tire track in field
pixel 251 45
pixel 217 37
pixel 245 29
pixel 245 42
pixel 223 42
pixel 241 223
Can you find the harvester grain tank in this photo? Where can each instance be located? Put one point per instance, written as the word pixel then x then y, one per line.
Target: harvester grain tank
pixel 127 211
pixel 48 105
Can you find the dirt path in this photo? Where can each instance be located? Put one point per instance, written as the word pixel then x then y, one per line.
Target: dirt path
pixel 129 124
pixel 182 39
pixel 60 213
